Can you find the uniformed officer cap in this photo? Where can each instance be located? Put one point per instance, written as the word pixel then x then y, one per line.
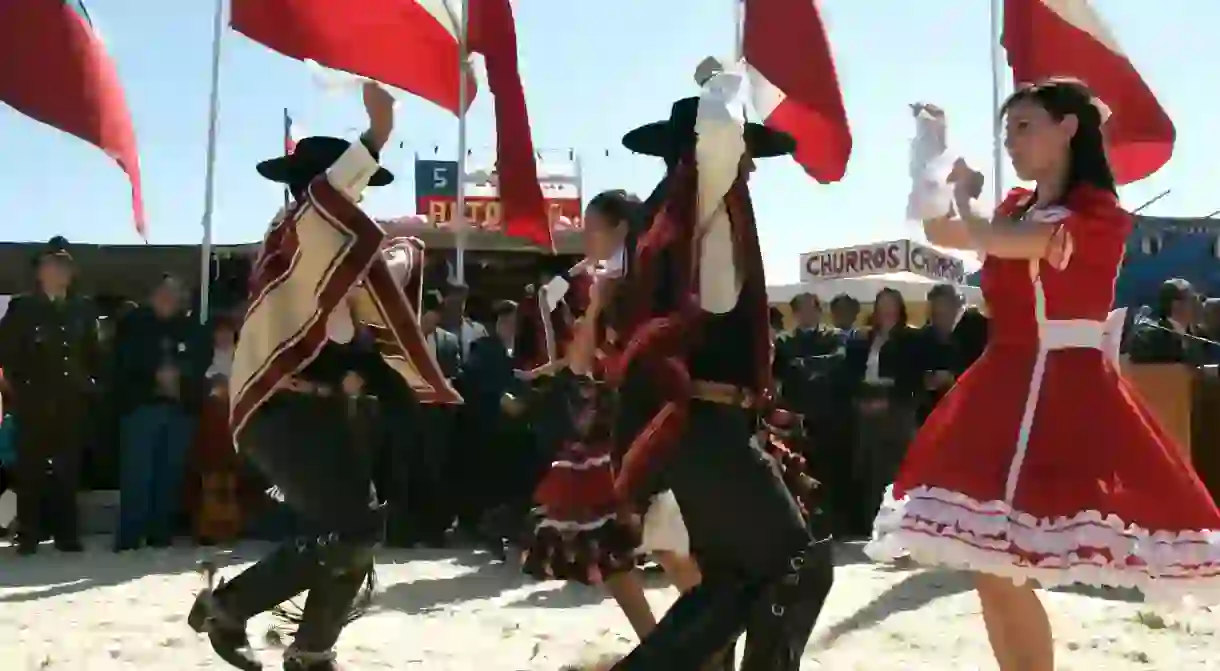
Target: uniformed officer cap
pixel 56 248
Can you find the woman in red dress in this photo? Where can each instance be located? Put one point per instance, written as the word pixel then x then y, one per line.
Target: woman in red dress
pixel 1041 466
pixel 584 534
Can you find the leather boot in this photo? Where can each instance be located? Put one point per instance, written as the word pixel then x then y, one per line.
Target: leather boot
pixel 331 605
pixel 226 633
pixel 698 626
pixel 298 660
pixel 782 622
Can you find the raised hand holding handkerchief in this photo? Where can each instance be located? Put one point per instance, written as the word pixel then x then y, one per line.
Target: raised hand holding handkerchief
pixel 931 194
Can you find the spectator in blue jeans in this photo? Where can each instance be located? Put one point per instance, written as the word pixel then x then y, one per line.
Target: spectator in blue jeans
pixel 160 360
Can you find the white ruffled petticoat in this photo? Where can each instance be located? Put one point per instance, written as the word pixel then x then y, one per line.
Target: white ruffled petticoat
pixel 936 526
pixel 664 529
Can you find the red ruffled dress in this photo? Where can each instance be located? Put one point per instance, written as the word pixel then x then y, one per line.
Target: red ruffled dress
pixel 579 534
pixel 1042 463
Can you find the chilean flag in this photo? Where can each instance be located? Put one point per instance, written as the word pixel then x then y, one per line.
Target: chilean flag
pixel 54 68
pixel 413 45
pixel 493 32
pixel 794 86
pixel 1067 38
pixel 409 44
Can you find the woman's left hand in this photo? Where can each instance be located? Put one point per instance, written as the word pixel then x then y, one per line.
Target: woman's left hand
pixel 967 185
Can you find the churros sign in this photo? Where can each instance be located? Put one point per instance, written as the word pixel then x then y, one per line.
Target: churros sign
pixel 881 258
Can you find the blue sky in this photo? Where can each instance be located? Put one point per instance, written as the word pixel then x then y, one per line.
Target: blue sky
pixel 593 70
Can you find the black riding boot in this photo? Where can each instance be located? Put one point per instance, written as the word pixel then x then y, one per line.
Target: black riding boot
pixel 332 604
pixel 222 609
pixel 700 624
pixel 782 622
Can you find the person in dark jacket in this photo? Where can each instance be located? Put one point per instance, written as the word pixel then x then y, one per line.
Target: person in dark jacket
pixel 495 412
pixel 1167 337
pixel 882 372
pixel 49 354
pixel 807 364
pixel 421 505
pixel 160 360
pixel 951 342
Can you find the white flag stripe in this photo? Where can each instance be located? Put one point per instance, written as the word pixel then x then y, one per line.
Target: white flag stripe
pixel 1080 13
pixel 448 13
pixel 764 95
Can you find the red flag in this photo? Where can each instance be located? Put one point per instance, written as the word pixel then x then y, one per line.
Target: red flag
pixel 492 32
pixel 410 44
pixel 56 70
pixel 794 85
pixel 1067 38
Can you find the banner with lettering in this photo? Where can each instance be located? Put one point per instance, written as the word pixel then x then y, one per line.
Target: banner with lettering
pixel 881 258
pixel 437 184
pixel 936 265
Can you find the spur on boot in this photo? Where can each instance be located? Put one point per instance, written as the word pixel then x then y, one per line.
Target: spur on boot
pixel 227 636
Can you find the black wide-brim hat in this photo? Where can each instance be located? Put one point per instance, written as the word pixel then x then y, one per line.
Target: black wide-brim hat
pixel 313 156
pixel 671 137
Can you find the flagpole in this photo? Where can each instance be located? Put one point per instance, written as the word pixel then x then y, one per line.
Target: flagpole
pixel 739 16
pixel 997 86
pixel 209 189
pixel 459 217
pixel 287 139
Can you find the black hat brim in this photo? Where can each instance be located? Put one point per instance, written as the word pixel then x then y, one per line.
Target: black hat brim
pixel 312 157
pixel 58 255
pixel 655 139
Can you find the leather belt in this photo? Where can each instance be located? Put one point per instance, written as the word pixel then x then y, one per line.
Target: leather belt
pixel 722 393
pixel 308 387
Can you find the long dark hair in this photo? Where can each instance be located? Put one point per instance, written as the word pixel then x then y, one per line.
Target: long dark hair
pixel 622 208
pixel 1060 97
pixel 873 322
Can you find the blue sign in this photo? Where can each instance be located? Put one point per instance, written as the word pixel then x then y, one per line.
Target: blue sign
pixel 436 179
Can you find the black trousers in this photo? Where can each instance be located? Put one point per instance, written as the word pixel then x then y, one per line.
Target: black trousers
pixel 303 445
pixel 50 444
pixel 760 560
pixel 422 500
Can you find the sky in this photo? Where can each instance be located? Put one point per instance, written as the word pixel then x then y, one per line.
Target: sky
pixel 592 71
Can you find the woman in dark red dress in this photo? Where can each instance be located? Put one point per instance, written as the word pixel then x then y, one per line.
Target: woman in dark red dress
pixel 584 535
pixel 1041 466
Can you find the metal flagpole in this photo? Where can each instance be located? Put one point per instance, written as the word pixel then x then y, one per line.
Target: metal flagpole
pixel 287 139
pixel 209 189
pixel 997 86
pixel 739 19
pixel 459 217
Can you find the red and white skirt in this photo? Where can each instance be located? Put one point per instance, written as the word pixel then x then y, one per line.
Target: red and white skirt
pixel 1042 465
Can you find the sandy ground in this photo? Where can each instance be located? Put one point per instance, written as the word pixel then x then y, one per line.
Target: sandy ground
pixel 443 610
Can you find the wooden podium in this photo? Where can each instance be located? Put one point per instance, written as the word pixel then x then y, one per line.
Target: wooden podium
pixel 1186 400
pixel 1206 434
pixel 1167 389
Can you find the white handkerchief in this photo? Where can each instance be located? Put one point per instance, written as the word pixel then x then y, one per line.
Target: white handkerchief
pixel 931 194
pixel 333 81
pixel 553 293
pixel 613 266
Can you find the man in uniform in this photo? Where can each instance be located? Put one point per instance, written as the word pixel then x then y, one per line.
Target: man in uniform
pixel 49 354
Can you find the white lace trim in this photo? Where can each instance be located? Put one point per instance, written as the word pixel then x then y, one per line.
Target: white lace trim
pixel 583 464
pixel 943 527
pixel 566 526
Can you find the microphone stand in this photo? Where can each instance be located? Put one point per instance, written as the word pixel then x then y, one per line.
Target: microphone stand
pixel 1146 321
